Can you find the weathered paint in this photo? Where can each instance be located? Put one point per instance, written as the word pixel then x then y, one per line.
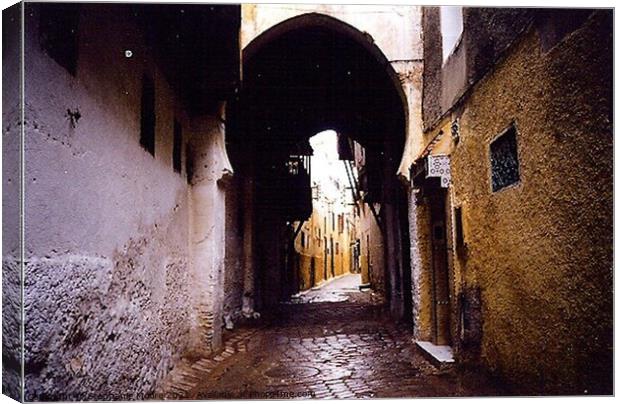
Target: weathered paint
pixel 11 228
pixel 111 297
pixel 541 250
pixel 395 29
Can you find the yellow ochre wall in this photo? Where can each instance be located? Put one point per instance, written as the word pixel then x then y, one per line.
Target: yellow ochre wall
pixel 315 249
pixel 541 251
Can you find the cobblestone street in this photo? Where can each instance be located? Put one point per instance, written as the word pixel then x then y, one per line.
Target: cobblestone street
pixel 307 201
pixel 317 346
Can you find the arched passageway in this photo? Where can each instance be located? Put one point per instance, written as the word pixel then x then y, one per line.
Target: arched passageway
pixel 308 74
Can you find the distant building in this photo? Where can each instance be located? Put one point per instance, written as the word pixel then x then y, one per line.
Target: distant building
pixel 326 241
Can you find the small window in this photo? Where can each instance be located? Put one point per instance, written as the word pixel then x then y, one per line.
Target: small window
pixel 176 146
pixel 337 248
pixel 58 33
pixel 504 160
pixel 458 227
pixel 451 28
pixel 303 239
pixel 147 122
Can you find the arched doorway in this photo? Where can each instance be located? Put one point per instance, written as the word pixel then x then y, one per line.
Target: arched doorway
pixel 302 76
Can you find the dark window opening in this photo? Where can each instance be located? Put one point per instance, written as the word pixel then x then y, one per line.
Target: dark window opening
pixel 458 227
pixel 176 146
pixel 189 163
pixel 303 239
pixel 58 33
pixel 504 160
pixel 438 231
pixel 147 122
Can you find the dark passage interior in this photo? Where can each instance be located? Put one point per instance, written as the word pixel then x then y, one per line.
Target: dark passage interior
pixel 304 76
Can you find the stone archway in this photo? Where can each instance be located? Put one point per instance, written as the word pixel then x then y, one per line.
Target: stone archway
pixel 306 74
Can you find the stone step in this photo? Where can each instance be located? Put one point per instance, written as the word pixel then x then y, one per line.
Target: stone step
pixel 439 355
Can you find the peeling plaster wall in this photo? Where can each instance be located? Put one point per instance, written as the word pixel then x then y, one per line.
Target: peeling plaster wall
pixel 210 179
pixel 11 176
pixel 108 295
pixel 410 76
pixel 541 251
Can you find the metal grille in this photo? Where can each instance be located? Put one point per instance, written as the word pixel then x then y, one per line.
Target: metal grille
pixel 504 160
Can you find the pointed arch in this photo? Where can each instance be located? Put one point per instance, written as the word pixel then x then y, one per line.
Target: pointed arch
pixel 318 20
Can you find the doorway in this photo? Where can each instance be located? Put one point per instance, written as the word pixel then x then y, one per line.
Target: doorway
pixel 440 292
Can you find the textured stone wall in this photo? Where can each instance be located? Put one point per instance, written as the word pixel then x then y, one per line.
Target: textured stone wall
pixel 11 327
pixel 111 300
pixel 541 251
pixel 431 103
pixel 105 327
pixel 233 281
pixel 11 239
pixel 488 33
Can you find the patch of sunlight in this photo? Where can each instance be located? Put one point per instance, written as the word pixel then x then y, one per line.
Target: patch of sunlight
pixel 328 172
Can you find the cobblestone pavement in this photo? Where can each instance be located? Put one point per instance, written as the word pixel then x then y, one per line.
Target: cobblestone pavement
pixel 336 290
pixel 321 349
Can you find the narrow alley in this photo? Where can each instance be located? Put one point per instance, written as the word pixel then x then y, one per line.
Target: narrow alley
pixel 332 342
pixel 306 200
